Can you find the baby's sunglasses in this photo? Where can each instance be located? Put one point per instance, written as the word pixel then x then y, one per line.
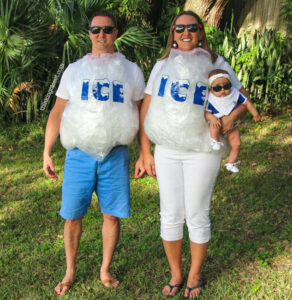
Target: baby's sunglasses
pixel 180 28
pixel 218 88
pixel 105 29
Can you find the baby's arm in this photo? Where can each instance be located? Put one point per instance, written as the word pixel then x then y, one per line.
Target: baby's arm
pixel 214 122
pixel 251 108
pixel 215 125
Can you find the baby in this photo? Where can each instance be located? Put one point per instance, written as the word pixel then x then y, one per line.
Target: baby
pixel 223 98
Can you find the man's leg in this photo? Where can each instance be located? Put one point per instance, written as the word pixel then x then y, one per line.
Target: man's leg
pixel 110 237
pixel 72 234
pixel 113 191
pixel 78 185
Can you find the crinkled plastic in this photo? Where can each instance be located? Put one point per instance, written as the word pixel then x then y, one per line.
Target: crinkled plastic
pixel 175 117
pixel 100 113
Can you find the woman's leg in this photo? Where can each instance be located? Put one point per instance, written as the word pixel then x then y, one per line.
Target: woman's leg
pixel 235 143
pixel 198 254
pixel 200 173
pixel 173 252
pixel 172 211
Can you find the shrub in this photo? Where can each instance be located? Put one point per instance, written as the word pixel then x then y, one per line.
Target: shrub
pixel 262 63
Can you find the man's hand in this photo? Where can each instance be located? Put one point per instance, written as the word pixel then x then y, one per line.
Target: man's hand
pixel 139 168
pixel 48 167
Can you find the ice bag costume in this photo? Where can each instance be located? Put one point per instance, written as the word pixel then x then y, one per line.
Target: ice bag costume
pixel 101 112
pixel 186 178
pixel 223 106
pixel 180 89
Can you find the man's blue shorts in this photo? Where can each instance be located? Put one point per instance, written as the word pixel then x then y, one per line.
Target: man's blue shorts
pixel 108 178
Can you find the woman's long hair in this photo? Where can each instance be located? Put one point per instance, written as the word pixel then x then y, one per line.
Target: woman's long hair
pixel 204 41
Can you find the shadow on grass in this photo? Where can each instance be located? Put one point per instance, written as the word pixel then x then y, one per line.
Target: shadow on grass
pixel 250 215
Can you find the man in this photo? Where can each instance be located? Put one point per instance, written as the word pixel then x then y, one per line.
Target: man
pixel 96 113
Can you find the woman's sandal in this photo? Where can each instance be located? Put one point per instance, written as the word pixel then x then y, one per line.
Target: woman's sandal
pixel 200 284
pixel 61 285
pixel 172 286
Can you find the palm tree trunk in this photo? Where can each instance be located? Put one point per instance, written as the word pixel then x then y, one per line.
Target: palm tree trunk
pixel 216 12
pixel 200 7
pixel 209 10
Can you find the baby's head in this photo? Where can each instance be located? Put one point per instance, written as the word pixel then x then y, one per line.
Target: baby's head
pixel 219 82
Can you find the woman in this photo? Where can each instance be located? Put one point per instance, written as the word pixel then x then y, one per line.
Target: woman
pixel 186 167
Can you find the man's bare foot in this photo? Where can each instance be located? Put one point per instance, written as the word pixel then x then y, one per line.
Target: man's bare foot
pixel 63 287
pixel 193 288
pixel 108 280
pixel 173 286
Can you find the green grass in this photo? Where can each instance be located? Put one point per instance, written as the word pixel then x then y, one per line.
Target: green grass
pixel 249 256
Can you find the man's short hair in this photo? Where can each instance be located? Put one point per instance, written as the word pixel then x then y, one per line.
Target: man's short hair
pixel 103 13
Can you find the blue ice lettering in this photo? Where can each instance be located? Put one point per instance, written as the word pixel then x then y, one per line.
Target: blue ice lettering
pixel 85 88
pixel 163 81
pixel 175 90
pixel 118 92
pixel 200 94
pixel 98 89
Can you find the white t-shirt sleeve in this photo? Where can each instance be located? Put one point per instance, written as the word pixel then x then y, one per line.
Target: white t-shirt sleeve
pixel 152 76
pixel 62 91
pixel 139 84
pixel 224 65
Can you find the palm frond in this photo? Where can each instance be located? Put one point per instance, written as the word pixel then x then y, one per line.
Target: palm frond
pixel 136 36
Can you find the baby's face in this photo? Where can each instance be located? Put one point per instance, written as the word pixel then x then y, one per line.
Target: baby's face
pixel 221 82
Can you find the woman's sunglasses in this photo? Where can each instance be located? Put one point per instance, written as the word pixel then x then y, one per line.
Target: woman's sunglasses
pixel 105 29
pixel 180 28
pixel 218 88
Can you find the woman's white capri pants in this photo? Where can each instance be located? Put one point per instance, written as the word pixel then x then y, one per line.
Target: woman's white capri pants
pixel 186 181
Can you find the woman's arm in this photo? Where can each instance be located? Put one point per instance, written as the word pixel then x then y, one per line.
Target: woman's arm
pixel 146 160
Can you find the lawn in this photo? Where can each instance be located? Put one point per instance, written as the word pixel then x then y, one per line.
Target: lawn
pixel 249 256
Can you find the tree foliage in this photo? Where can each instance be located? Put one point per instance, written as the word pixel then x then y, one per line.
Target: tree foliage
pixel 37 37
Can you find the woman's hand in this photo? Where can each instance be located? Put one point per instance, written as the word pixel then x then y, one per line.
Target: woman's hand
pixel 227 124
pixel 236 114
pixel 146 160
pixel 149 165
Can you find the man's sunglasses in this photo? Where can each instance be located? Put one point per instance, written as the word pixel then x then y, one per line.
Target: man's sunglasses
pixel 105 29
pixel 180 28
pixel 218 88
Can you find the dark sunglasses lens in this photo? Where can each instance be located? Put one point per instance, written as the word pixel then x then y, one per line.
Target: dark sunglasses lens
pixel 108 29
pixel 95 29
pixel 227 86
pixel 192 27
pixel 179 28
pixel 217 88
